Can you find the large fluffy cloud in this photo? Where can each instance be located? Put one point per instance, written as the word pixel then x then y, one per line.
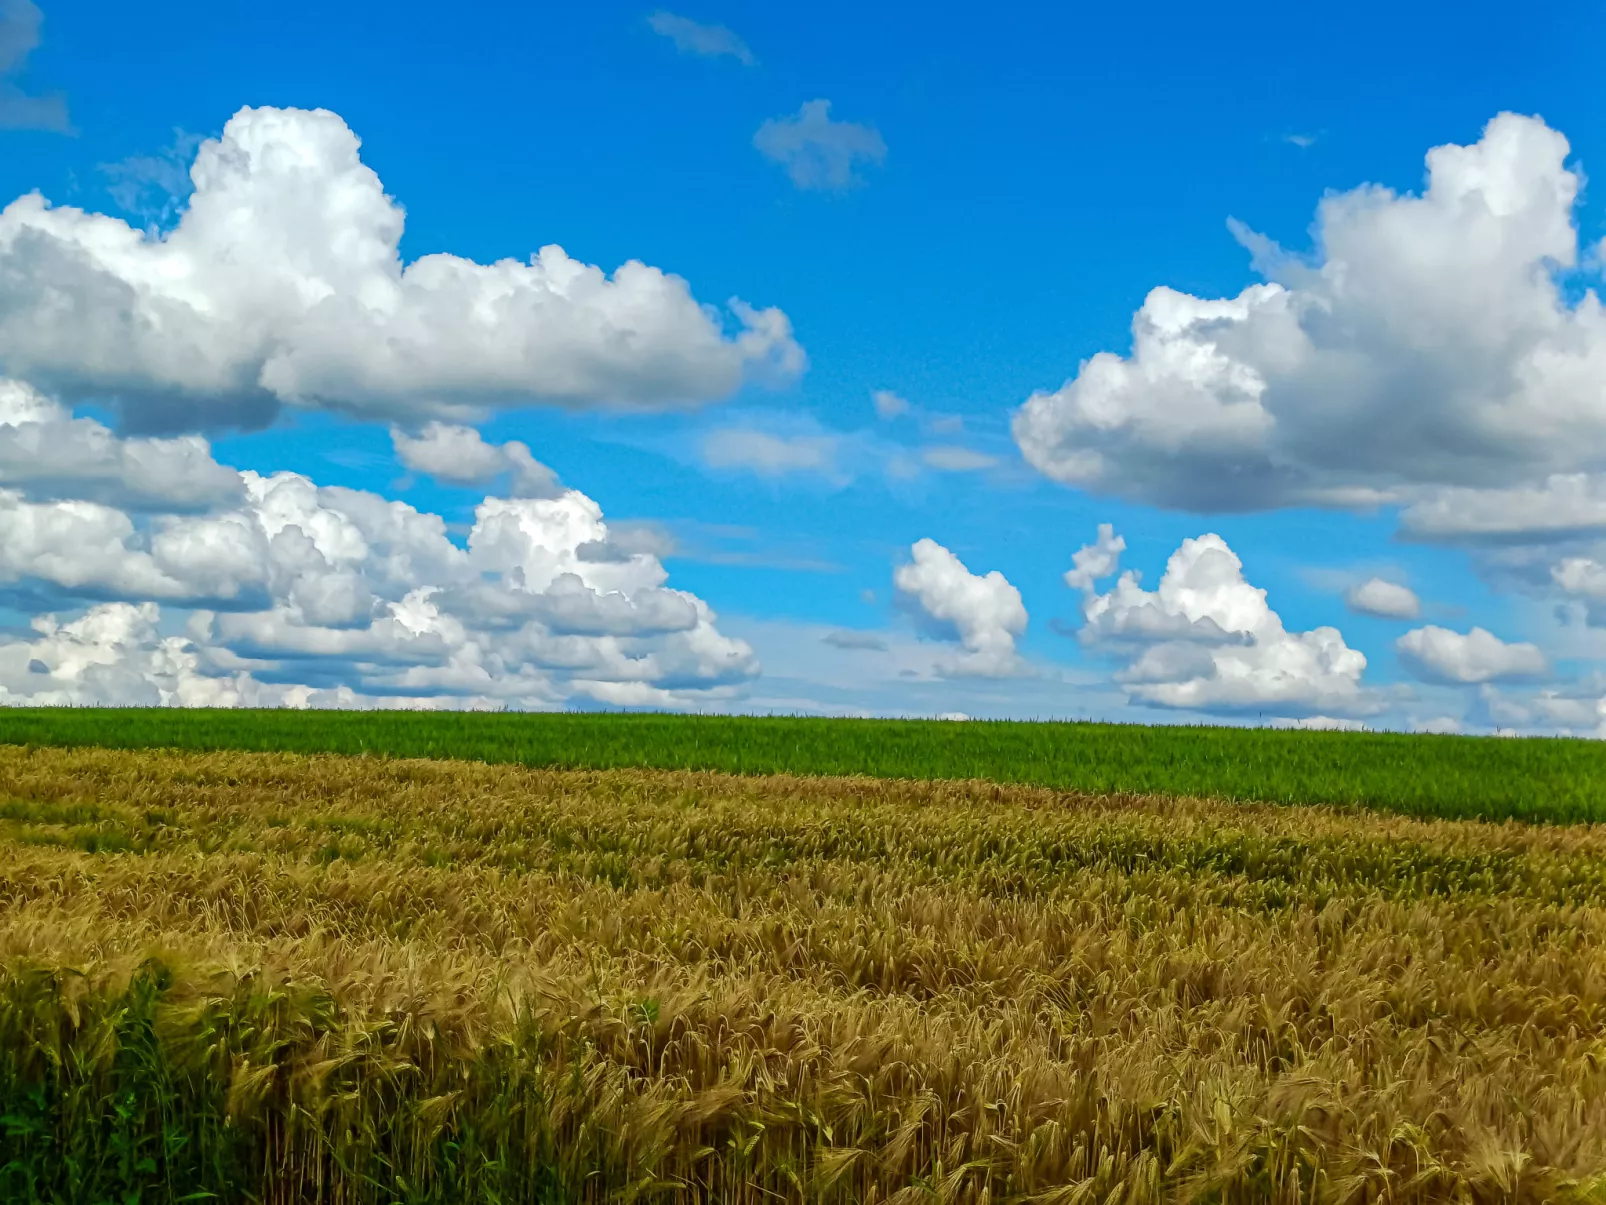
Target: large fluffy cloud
pixel 1426 345
pixel 283 283
pixel 1206 640
pixel 984 612
pixel 304 594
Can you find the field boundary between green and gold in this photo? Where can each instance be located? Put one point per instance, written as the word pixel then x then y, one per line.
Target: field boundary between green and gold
pixel 1552 780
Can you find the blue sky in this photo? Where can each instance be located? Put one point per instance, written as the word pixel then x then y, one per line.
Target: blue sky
pixel 956 211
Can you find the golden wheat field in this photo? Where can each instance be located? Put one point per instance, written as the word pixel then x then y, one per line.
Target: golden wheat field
pixel 284 978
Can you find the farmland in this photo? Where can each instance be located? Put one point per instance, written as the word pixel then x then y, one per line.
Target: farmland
pixel 1560 780
pixel 290 977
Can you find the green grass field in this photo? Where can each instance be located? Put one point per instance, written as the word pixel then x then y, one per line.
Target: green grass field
pixel 1556 781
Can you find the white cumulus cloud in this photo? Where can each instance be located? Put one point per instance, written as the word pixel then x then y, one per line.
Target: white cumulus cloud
pixel 459 455
pixel 1424 345
pixel 1437 654
pixel 816 151
pixel 46 453
pixel 985 612
pixel 282 283
pixel 288 592
pixel 1206 640
pixel 1581 577
pixel 1097 560
pixel 1385 599
pixel 113 653
pixel 80 547
pixel 1563 506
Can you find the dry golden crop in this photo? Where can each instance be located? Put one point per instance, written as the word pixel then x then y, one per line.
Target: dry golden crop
pixel 350 979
